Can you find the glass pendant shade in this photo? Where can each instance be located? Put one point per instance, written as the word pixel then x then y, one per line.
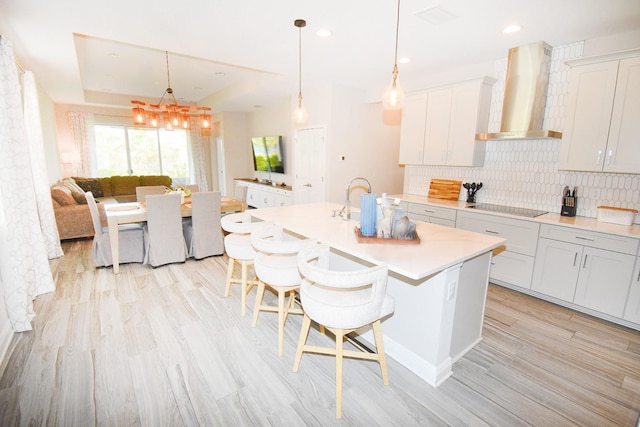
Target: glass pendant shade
pixel 394 96
pixel 154 119
pixel 206 121
pixel 300 113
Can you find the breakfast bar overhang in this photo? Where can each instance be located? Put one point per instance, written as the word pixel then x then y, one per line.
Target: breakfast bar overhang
pixel 439 285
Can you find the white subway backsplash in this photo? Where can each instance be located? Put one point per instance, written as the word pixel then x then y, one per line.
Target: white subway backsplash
pixel 525 173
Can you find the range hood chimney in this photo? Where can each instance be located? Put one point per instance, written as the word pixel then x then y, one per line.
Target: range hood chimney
pixel 525 95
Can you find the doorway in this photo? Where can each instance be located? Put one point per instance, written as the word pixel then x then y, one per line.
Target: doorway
pixel 310 167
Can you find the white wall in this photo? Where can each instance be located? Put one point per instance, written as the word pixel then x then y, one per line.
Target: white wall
pixel 237 147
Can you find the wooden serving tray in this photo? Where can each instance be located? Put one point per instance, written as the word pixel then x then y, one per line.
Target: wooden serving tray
pixel 379 240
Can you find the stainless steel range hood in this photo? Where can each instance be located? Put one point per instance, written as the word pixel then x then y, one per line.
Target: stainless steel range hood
pixel 525 95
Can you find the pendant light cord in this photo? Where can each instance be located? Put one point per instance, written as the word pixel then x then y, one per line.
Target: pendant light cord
pixel 166 54
pixel 300 60
pixel 397 32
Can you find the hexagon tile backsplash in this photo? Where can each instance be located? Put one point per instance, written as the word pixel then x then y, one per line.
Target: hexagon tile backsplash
pixel 525 173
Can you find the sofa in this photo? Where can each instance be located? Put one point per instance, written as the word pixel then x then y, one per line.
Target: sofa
pixel 70 206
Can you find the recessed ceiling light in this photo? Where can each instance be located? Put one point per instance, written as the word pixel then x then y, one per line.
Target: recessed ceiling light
pixel 511 29
pixel 323 32
pixel 220 73
pixel 404 60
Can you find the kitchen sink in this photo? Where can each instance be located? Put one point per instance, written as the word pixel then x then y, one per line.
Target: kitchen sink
pixel 511 210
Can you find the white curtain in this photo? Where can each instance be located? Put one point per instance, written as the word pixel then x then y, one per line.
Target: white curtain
pixel 39 166
pixel 24 264
pixel 82 128
pixel 198 157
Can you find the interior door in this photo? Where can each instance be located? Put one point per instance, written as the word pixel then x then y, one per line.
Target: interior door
pixel 309 183
pixel 221 177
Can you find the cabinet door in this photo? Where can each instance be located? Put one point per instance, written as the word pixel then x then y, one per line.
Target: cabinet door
pixel 556 269
pixel 604 280
pixel 624 135
pixel 590 101
pixel 436 136
pixel 412 129
pixel 253 196
pixel 512 268
pixel 463 126
pixel 632 311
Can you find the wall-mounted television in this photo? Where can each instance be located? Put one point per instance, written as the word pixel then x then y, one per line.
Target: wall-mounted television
pixel 268 154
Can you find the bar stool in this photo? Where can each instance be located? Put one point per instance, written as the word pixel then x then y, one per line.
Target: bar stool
pixel 238 246
pixel 343 302
pixel 276 267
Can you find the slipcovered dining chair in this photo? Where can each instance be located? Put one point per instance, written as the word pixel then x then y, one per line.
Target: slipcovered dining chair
pixel 342 302
pixel 194 188
pixel 163 231
pixel 130 239
pixel 276 267
pixel 203 232
pixel 143 191
pixel 238 246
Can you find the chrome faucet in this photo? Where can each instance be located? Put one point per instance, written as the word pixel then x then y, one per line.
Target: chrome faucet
pixel 347 202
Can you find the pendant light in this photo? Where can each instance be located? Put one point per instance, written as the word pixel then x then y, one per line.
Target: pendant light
pixel 300 113
pixel 394 97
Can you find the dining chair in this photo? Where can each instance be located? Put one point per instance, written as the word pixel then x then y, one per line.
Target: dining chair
pixel 203 232
pixel 342 302
pixel 276 267
pixel 238 246
pixel 130 239
pixel 143 191
pixel 194 188
pixel 163 236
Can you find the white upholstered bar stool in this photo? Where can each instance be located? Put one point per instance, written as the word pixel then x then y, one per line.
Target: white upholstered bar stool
pixel 343 302
pixel 276 266
pixel 238 246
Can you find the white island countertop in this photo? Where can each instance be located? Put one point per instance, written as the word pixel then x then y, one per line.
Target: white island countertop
pixel 440 247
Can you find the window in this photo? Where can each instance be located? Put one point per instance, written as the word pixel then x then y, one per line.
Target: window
pixel 124 150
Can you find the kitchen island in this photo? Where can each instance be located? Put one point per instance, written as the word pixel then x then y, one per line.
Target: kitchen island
pixel 439 285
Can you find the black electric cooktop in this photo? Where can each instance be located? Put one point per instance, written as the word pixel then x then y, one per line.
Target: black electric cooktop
pixel 511 210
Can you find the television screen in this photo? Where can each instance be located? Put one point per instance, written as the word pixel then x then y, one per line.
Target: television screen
pixel 267 153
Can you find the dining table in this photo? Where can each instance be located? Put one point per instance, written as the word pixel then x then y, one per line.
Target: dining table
pixel 136 212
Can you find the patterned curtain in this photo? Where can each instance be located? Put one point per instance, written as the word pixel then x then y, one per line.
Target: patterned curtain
pixel 82 128
pixel 24 264
pixel 198 158
pixel 39 166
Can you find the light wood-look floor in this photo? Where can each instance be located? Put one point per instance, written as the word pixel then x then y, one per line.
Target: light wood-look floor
pixel 163 347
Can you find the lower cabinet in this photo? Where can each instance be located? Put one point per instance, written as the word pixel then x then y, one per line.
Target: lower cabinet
pixel 432 214
pixel 632 311
pixel 264 196
pixel 589 269
pixel 513 263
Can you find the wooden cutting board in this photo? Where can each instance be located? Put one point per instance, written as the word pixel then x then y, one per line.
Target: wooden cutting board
pixel 447 189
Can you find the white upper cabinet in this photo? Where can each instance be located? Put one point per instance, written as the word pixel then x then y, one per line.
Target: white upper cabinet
pixel 439 125
pixel 602 130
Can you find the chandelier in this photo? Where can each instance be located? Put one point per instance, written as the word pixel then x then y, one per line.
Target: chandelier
pixel 169 113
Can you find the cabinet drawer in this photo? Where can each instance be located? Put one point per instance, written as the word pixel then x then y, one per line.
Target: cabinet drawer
pixel 610 242
pixel 522 236
pixel 512 268
pixel 432 211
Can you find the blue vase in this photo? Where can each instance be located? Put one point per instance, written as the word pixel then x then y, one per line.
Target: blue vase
pixel 368 208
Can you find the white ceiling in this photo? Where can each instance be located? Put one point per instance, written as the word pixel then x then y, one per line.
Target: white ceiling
pixel 110 52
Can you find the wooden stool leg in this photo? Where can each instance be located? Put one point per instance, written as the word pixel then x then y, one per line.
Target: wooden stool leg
pixel 339 341
pixel 304 331
pixel 227 290
pixel 243 297
pixel 377 334
pixel 281 316
pixel 259 296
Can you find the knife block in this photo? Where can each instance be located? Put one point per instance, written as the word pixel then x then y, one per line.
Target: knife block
pixel 569 206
